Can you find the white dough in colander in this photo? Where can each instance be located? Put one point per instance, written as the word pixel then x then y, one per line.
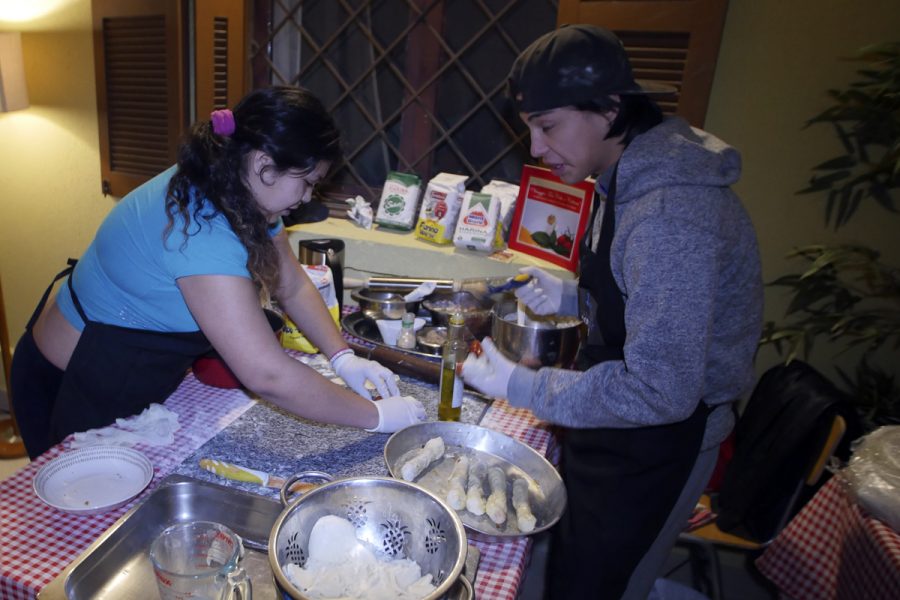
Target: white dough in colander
pixel 342 566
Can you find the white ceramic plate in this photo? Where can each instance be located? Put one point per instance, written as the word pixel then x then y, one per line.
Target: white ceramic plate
pixel 94 479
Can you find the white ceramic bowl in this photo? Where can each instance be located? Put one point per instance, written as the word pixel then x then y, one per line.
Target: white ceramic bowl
pixel 94 479
pixel 390 329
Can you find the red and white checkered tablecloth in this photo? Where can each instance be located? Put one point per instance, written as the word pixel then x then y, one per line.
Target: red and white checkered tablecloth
pixel 833 549
pixel 503 564
pixel 37 542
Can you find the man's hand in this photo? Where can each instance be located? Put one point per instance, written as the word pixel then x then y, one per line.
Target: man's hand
pixel 490 372
pixel 543 294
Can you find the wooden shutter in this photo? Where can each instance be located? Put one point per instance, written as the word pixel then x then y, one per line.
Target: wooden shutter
pixel 142 57
pixel 140 88
pixel 671 41
pixel 221 54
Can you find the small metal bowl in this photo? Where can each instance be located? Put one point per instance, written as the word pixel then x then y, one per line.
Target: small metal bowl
pixel 382 304
pixel 475 311
pixel 431 339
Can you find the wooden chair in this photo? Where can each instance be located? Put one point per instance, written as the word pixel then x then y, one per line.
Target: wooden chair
pixel 709 538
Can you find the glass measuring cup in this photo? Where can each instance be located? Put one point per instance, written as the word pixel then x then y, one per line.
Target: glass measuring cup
pixel 199 559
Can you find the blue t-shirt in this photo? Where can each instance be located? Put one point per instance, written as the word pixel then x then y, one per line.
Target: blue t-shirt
pixel 127 276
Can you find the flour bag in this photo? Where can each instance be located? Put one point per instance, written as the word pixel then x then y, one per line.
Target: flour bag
pixel 321 276
pixel 399 201
pixel 440 207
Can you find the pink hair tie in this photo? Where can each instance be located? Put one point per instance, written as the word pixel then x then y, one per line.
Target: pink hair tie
pixel 222 122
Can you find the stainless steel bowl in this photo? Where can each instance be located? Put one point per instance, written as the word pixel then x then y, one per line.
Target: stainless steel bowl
pixel 542 342
pixel 402 519
pixel 382 304
pixel 431 339
pixel 491 448
pixel 475 311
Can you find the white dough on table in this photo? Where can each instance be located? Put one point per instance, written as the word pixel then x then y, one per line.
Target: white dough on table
pixel 524 517
pixel 496 502
pixel 456 485
pixel 475 489
pixel 433 450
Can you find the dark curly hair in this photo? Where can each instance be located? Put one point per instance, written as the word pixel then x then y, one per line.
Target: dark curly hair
pixel 287 123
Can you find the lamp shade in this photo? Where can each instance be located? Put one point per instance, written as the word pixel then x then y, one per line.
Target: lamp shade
pixel 13 93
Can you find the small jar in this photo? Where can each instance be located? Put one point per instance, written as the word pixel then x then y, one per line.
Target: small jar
pixel 407 337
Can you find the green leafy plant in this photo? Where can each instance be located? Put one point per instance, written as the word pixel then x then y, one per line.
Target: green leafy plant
pixel 846 293
pixel 866 119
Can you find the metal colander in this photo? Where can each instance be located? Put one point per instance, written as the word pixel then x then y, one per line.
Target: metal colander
pixel 402 519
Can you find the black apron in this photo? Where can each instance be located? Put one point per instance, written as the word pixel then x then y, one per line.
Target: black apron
pixel 621 483
pixel 116 371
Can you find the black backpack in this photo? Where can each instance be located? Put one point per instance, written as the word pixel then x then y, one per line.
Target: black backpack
pixel 778 438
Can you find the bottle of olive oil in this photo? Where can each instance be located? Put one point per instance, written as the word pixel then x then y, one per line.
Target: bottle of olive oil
pixel 454 352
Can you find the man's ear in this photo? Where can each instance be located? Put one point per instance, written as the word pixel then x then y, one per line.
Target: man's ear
pixel 612 113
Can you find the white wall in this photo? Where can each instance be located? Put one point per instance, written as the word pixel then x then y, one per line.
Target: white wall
pixel 777 61
pixel 50 200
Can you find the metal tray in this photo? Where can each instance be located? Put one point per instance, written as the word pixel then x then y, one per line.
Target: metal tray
pixel 358 325
pixel 547 492
pixel 117 565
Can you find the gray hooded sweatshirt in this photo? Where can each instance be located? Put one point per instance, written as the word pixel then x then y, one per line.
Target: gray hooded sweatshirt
pixel 685 257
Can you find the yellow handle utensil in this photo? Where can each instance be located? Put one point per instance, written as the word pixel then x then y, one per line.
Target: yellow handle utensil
pixel 238 473
pixel 512 283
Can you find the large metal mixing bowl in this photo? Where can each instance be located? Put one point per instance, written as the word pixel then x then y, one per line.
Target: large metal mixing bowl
pixel 402 519
pixel 548 342
pixel 475 311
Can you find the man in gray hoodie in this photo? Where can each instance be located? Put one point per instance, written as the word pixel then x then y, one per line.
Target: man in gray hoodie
pixel 669 283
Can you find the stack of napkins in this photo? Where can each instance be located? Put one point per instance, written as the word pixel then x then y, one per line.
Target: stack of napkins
pixel 156 426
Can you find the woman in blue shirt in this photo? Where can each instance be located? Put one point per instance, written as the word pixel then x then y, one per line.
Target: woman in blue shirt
pixel 180 265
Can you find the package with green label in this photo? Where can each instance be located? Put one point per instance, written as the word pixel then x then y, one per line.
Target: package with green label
pixel 477 222
pixel 399 201
pixel 440 207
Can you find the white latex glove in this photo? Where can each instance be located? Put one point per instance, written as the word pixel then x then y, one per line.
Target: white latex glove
pixel 543 294
pixel 397 412
pixel 355 371
pixel 490 372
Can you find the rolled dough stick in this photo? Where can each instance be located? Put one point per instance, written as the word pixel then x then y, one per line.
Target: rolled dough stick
pixel 433 450
pixel 475 489
pixel 524 517
pixel 495 507
pixel 456 485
